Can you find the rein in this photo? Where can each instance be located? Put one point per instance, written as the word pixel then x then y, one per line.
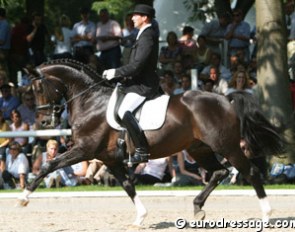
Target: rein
pixel 84 91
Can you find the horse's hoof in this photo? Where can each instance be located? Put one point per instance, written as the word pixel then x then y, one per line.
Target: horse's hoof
pixel 135 227
pixel 200 215
pixel 266 216
pixel 22 203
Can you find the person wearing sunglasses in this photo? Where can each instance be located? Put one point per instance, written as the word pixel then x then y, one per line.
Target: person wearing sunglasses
pixel 238 35
pixel 16 167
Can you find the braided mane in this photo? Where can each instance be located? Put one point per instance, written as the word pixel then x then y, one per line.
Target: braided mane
pixel 88 70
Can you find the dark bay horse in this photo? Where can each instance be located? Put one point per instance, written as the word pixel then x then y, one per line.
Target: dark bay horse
pixel 205 123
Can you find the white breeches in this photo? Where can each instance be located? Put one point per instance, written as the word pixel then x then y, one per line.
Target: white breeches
pixel 130 102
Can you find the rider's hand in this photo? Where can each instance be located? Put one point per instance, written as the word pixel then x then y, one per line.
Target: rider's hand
pixel 109 74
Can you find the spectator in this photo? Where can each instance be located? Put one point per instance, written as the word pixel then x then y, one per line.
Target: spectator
pixel 185 84
pixel 8 102
pixel 239 82
pixel 75 174
pixel 220 85
pixel 108 36
pixel 23 79
pixel 84 35
pixel 189 173
pixel 53 179
pixel 238 35
pixel 16 168
pixel 189 47
pixel 215 61
pixel 203 54
pixel 214 32
pixel 208 85
pixel 5 35
pixel 151 172
pixel 290 19
pixel 62 38
pixel 18 125
pixel 39 143
pixel 18 55
pixel 178 71
pixel 168 83
pixel 238 61
pixel 171 53
pixel 28 108
pixel 93 62
pixel 98 173
pixel 129 36
pixel 3 79
pixel 95 172
pixel 37 38
pixel 252 69
pixel 4 142
pixel 253 39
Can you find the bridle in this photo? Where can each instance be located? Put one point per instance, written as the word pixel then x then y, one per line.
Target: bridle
pixel 54 108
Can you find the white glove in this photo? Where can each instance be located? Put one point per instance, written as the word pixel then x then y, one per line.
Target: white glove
pixel 109 74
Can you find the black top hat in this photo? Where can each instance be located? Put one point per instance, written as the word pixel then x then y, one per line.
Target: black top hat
pixel 145 10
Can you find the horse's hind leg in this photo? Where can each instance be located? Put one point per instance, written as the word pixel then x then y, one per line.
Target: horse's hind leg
pixel 122 176
pixel 252 174
pixel 206 158
pixel 199 201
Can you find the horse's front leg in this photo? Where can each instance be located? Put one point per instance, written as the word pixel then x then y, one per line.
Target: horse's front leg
pixel 124 179
pixel 68 158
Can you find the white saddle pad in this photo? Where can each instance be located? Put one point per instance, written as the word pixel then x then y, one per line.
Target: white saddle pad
pixel 152 115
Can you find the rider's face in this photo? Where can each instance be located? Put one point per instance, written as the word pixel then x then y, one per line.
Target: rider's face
pixel 138 20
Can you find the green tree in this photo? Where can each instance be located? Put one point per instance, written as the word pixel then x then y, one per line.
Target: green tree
pixel 117 8
pixel 203 9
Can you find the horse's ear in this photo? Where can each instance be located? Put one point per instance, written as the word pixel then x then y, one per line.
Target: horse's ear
pixel 26 71
pixel 31 72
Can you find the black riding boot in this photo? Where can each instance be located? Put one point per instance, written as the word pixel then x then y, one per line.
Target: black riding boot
pixel 138 137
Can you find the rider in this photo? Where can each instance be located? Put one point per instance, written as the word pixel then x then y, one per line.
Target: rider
pixel 138 78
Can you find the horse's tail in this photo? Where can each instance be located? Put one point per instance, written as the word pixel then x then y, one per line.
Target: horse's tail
pixel 261 137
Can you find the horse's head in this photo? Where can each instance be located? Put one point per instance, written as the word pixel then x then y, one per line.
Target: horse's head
pixel 49 92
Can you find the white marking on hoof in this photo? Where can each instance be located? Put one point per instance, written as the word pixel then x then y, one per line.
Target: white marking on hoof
pixel 200 215
pixel 140 211
pixel 23 199
pixel 265 208
pixel 21 203
pixel 134 227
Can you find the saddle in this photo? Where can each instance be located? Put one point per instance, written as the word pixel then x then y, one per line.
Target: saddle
pixel 150 115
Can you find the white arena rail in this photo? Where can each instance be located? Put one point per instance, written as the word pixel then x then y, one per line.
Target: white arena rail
pixel 36 133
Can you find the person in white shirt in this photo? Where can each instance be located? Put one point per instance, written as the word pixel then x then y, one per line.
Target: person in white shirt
pixel 151 172
pixel 16 167
pixel 62 38
pixel 108 36
pixel 84 35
